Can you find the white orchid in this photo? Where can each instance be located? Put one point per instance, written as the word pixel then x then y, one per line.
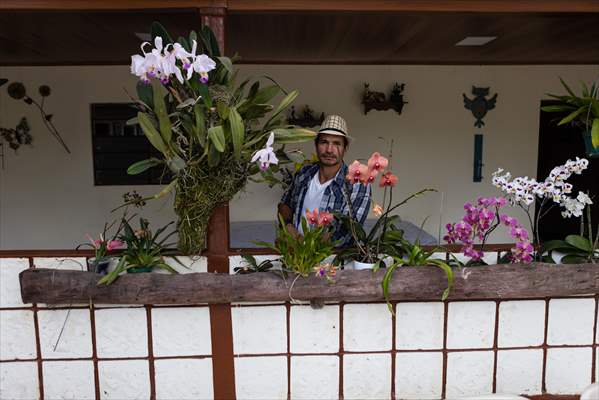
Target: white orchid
pixel 169 67
pixel 522 190
pixel 202 65
pixel 183 55
pixel 266 156
pixel 161 62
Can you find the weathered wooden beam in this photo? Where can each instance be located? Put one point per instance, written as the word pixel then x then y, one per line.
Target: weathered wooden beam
pixel 409 283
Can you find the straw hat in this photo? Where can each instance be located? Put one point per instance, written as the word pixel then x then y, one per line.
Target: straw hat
pixel 334 125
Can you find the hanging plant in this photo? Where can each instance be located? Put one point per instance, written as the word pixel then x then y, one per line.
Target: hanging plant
pixel 212 132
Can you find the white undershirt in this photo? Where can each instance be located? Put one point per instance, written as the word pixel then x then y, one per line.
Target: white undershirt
pixel 313 196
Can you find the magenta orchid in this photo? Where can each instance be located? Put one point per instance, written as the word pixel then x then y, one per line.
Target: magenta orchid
pixel 480 221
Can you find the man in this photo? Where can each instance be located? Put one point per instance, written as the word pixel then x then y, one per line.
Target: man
pixel 320 185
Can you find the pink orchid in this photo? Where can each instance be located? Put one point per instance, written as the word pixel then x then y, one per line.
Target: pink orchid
pixel 324 218
pixel 357 172
pixel 388 179
pixel 312 217
pixel 114 245
pixel 377 163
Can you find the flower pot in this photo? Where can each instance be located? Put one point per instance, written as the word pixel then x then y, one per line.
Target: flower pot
pixel 135 270
pixel 588 144
pixel 362 265
pixel 99 267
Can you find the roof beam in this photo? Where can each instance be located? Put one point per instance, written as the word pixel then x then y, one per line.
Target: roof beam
pixel 494 6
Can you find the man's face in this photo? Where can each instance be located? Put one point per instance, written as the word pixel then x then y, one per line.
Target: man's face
pixel 330 149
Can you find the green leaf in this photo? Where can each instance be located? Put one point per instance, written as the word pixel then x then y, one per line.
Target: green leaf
pixel 217 136
pixel 145 93
pixel 237 131
pixel 595 133
pixel 193 36
pixel 226 62
pixel 296 157
pixel 558 108
pixel 143 165
pixel 585 89
pixel 448 272
pixel 253 90
pixel 199 127
pixel 282 106
pixel 151 133
pixel 110 277
pixel 579 242
pixel 203 90
pixel 293 135
pixel 266 94
pixel 251 260
pixel 555 245
pixel 158 30
pixel 572 259
pixel 387 280
pixel 163 120
pixel 572 115
pixel 567 87
pixel 166 267
pixel 222 109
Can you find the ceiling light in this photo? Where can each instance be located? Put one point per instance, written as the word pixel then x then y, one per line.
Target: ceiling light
pixel 145 37
pixel 475 40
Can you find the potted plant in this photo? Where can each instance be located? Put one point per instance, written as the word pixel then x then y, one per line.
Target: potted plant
pixel 367 250
pixel 413 255
pixel 576 249
pixel 303 254
pixel 103 248
pixel 583 112
pixel 207 127
pixel 145 250
pixel 525 193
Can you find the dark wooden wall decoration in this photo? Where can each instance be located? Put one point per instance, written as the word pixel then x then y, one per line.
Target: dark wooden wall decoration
pixel 378 101
pixel 306 118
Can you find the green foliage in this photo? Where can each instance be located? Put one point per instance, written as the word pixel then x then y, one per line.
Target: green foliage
pixel 576 248
pixel 212 124
pixel 301 254
pixel 207 133
pixel 252 265
pixel 415 255
pixel 381 239
pixel 582 110
pixel 144 250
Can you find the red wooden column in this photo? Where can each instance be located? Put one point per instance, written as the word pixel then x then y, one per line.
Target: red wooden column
pixel 223 367
pixel 214 17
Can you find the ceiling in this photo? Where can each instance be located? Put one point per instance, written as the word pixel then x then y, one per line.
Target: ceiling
pixel 108 37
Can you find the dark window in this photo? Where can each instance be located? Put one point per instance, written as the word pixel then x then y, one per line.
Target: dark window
pixel 557 144
pixel 117 145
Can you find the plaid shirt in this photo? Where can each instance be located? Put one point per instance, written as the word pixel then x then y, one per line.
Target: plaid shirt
pixel 332 199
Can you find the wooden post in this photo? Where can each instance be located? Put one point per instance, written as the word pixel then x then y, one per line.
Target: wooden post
pixel 221 326
pixel 214 17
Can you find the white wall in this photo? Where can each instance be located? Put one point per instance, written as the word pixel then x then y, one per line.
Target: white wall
pixel 48 200
pixel 314 350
